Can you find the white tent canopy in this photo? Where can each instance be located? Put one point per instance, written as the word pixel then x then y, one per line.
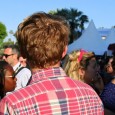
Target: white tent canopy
pixel 90 41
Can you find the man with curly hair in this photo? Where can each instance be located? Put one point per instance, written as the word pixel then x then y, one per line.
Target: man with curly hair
pixel 43 40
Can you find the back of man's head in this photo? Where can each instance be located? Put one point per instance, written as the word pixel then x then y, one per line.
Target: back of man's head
pixel 42 39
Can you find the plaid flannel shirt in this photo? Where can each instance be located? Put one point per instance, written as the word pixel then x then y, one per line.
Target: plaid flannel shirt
pixel 51 92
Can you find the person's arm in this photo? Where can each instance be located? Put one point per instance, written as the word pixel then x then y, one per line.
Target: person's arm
pixel 5 108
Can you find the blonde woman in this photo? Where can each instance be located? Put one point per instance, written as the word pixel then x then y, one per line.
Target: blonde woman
pixel 81 65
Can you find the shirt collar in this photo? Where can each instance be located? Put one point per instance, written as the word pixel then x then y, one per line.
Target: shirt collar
pixel 47 73
pixel 16 66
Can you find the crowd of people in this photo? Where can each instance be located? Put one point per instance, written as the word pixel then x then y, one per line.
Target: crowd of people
pixel 38 77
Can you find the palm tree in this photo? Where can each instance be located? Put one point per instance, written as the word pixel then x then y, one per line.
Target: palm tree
pixel 76 20
pixel 83 19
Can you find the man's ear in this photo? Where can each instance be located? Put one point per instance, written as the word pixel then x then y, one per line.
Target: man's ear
pixel 65 51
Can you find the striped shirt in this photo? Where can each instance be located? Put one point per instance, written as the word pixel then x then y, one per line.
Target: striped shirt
pixel 51 92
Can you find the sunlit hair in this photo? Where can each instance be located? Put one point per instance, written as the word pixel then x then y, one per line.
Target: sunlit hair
pixel 42 38
pixel 76 60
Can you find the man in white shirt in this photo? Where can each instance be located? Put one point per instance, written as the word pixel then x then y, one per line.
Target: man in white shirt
pixel 11 55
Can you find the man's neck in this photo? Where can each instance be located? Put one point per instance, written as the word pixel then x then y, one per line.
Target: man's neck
pixel 37 68
pixel 14 63
pixel 17 66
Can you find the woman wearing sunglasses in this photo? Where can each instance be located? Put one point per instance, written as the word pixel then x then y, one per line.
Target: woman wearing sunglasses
pixel 7 80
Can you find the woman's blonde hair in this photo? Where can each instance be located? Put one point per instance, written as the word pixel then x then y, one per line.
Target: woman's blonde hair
pixel 76 60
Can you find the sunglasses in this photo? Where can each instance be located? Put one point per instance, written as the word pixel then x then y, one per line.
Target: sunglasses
pixel 6 55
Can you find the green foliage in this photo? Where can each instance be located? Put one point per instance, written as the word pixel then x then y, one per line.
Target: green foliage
pixel 9 42
pixel 52 12
pixel 76 20
pixel 11 32
pixel 3 32
pixel 4 44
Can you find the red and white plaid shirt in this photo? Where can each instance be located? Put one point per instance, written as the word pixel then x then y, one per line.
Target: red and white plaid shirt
pixel 51 92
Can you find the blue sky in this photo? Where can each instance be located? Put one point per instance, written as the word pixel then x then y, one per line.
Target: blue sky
pixel 12 12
